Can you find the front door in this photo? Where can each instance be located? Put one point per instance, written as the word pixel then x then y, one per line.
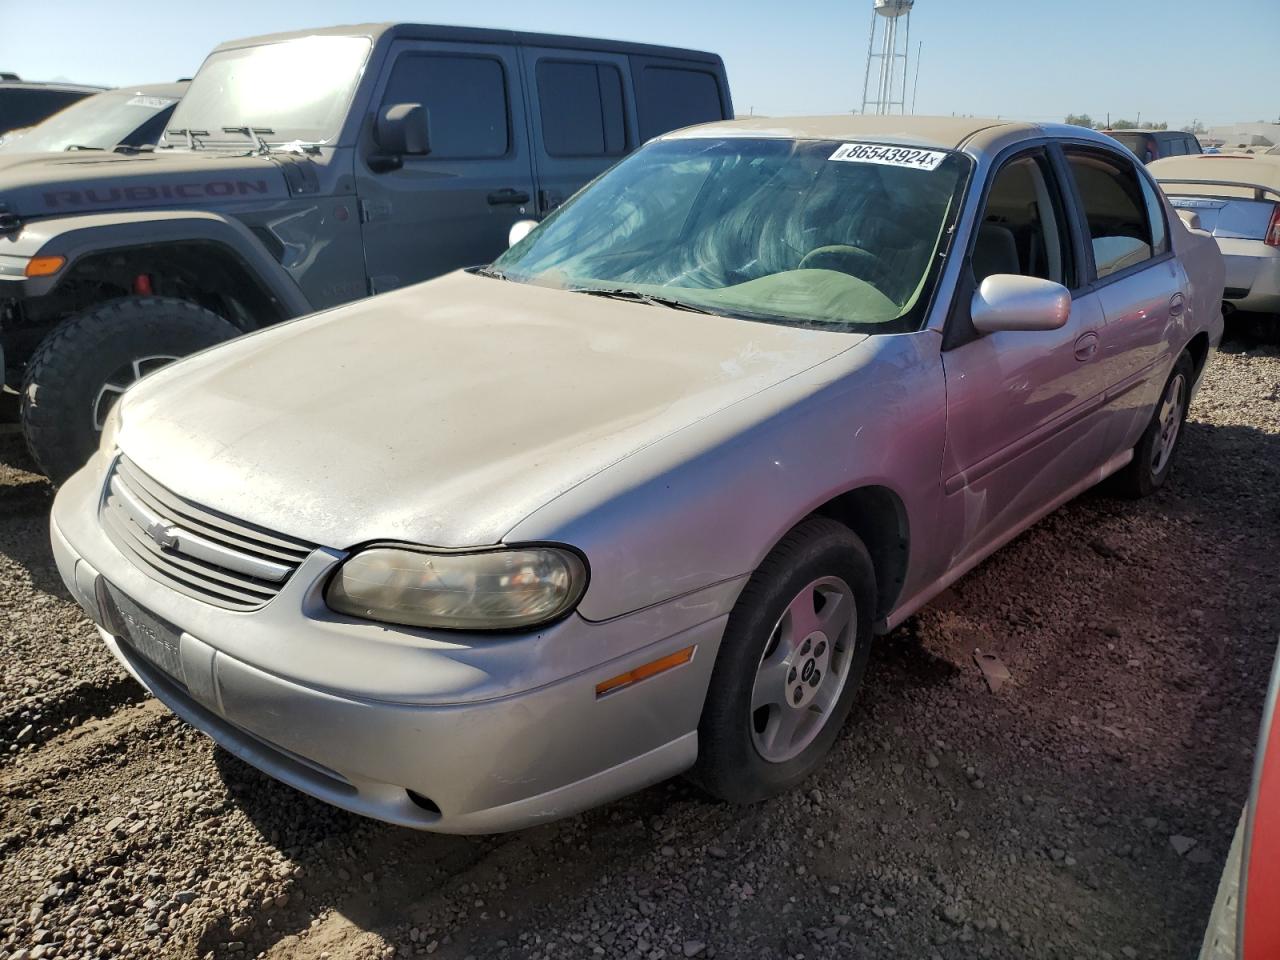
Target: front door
pixel 454 206
pixel 583 121
pixel 1023 408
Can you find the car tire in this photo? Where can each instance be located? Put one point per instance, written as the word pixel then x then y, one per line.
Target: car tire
pixel 80 368
pixel 1154 454
pixel 773 672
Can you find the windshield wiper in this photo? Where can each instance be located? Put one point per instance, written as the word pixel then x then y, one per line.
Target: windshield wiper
pixel 192 142
pixel 79 146
pixel 635 296
pixel 252 134
pixel 490 271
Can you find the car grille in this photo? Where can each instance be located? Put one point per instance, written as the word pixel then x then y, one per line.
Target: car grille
pixel 195 550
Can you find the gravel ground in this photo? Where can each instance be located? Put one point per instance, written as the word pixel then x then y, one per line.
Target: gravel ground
pixel 1083 811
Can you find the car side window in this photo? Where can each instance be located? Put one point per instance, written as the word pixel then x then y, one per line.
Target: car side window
pixel 1115 211
pixel 673 97
pixel 465 98
pixel 1021 229
pixel 582 109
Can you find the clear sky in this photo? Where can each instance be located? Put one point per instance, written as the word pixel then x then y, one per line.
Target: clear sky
pixel 1172 60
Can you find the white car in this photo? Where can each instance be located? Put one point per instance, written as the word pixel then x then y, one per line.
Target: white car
pixel 1236 198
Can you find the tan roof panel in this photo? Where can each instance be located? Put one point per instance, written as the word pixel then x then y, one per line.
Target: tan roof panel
pixel 940 132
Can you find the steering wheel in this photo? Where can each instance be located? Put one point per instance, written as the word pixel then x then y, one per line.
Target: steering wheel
pixel 844 258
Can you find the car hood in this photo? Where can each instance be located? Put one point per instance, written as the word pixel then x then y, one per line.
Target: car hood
pixel 95 181
pixel 444 413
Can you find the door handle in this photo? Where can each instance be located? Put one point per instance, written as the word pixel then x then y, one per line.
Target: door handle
pixel 1177 303
pixel 1086 346
pixel 508 195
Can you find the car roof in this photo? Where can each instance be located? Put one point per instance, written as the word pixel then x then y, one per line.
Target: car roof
pixel 1242 168
pixel 427 31
pixel 941 133
pixel 51 85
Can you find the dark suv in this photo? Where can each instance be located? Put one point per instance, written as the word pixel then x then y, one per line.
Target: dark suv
pixel 1150 145
pixel 301 171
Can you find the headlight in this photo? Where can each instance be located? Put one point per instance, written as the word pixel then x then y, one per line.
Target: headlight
pixel 492 590
pixel 110 430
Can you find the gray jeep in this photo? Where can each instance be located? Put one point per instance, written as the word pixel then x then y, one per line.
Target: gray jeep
pixel 302 171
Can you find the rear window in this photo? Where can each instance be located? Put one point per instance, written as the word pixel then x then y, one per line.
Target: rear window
pixel 1139 143
pixel 23 108
pixel 465 99
pixel 582 111
pixel 674 97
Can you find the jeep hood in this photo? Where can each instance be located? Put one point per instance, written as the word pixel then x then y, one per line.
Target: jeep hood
pixel 92 181
pixel 445 413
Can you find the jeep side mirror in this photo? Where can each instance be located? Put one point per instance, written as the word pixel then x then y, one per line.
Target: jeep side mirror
pixel 1007 301
pixel 401 130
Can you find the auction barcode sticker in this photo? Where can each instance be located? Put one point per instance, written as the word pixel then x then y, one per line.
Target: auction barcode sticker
pixel 889 156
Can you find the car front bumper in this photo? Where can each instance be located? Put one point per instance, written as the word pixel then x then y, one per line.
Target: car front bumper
pixel 489 752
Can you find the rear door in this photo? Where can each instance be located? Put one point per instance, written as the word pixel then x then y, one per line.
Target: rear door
pixel 583 118
pixel 453 207
pixel 1139 283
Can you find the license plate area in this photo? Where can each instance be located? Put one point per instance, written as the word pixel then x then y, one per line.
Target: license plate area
pixel 155 639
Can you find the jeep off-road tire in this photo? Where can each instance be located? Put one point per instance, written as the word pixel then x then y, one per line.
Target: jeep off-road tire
pixel 785 678
pixel 73 375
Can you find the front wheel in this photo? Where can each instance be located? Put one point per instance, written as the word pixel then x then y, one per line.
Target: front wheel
pixel 1153 456
pixel 789 665
pixel 81 369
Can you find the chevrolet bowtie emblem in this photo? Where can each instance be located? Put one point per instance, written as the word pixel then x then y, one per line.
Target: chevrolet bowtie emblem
pixel 164 535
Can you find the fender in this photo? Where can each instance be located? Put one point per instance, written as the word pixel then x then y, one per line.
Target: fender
pixel 76 237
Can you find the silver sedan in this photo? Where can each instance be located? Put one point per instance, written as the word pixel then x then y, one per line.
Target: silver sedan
pixel 636 499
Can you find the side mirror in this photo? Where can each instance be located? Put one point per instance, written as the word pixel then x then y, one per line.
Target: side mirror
pixel 1009 302
pixel 402 130
pixel 519 230
pixel 1190 218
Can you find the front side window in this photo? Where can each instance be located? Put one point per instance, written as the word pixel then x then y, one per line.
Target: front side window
pixel 1115 210
pixel 465 99
pixel 1020 231
pixel 296 89
pixel 581 107
pixel 769 229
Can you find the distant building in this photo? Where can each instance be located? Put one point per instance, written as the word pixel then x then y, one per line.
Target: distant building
pixel 1247 134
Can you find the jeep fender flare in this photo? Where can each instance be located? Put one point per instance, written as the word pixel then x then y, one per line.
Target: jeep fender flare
pixel 76 237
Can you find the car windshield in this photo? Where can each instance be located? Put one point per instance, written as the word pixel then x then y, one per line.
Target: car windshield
pixel 99 122
pixel 806 232
pixel 294 90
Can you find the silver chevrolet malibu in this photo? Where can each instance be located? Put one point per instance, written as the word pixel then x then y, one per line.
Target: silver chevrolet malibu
pixel 635 499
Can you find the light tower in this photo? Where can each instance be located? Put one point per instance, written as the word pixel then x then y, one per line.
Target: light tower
pixel 890 22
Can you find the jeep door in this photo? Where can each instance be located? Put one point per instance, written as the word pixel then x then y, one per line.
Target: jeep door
pixel 454 206
pixel 1024 423
pixel 583 117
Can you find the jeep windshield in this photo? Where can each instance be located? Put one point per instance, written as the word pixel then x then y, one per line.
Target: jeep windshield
pixel 298 89
pixel 805 232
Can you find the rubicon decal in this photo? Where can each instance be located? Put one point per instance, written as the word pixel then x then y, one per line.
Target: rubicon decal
pixel 145 192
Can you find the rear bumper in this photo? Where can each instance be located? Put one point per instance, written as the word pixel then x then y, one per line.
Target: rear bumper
pixel 487 763
pixel 1253 275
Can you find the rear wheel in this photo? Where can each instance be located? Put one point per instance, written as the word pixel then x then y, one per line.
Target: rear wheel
pixel 1153 456
pixel 788 668
pixel 80 370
